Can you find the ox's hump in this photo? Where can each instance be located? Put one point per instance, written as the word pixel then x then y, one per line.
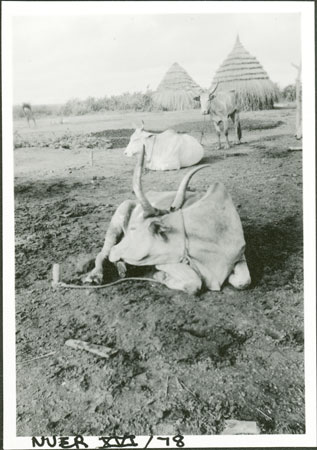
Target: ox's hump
pixel 216 195
pixel 218 189
pixel 164 200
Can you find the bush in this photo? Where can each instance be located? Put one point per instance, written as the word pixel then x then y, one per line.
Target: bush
pixel 136 101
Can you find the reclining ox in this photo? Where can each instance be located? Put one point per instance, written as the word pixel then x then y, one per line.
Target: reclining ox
pixel 193 240
pixel 165 151
pixel 221 107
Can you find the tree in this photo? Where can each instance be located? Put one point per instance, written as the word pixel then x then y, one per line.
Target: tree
pixel 289 93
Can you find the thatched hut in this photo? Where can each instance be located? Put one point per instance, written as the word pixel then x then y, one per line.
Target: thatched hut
pixel 177 90
pixel 243 73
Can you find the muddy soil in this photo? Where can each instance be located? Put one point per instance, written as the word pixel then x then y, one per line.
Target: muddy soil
pixel 181 363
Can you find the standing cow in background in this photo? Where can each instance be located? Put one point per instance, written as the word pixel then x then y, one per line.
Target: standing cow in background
pixel 221 107
pixel 27 110
pixel 165 151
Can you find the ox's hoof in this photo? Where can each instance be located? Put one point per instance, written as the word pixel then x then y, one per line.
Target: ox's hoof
pixel 227 147
pixel 159 276
pixel 122 269
pixel 239 283
pixel 94 277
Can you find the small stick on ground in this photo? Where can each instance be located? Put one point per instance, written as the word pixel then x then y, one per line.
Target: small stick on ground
pixel 182 385
pixel 36 358
pixel 265 415
pixel 99 350
pixel 196 396
pixel 166 388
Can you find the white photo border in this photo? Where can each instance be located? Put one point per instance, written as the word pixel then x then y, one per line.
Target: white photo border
pixel 306 9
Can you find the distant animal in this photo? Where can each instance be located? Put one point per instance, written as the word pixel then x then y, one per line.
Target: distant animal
pixel 192 239
pixel 221 107
pixel 27 110
pixel 165 151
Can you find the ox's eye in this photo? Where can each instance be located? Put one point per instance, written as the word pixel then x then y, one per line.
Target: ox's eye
pixel 159 230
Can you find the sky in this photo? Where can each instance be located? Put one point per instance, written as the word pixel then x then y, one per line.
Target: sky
pixel 58 58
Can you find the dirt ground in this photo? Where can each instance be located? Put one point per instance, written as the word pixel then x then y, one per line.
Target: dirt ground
pixel 181 363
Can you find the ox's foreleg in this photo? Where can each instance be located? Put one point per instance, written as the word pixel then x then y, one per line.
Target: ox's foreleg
pixel 237 126
pixel 178 276
pixel 115 231
pixel 226 132
pixel 218 131
pixel 240 276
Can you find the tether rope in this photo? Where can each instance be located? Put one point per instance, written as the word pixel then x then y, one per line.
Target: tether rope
pixel 102 286
pixel 184 259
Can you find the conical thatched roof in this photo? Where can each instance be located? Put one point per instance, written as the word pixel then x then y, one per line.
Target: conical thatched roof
pixel 177 90
pixel 243 73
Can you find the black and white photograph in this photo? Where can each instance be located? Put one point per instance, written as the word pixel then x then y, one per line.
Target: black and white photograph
pixel 159 224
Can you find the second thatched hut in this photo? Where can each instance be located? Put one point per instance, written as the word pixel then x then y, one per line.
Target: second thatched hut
pixel 176 90
pixel 243 73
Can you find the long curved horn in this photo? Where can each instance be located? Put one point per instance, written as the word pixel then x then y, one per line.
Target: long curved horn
pixel 180 195
pixel 137 185
pixel 149 210
pixel 214 90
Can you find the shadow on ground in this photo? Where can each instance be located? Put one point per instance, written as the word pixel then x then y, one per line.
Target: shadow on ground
pixel 270 248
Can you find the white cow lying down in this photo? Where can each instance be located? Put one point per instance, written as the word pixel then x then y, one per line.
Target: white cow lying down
pixel 165 151
pixel 193 240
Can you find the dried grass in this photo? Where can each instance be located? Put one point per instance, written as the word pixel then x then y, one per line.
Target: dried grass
pixel 176 91
pixel 252 94
pixel 244 74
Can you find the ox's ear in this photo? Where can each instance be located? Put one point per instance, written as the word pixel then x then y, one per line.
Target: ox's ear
pixel 159 229
pixel 197 99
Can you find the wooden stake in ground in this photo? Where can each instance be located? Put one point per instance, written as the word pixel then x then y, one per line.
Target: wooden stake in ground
pixel 298 134
pixel 55 275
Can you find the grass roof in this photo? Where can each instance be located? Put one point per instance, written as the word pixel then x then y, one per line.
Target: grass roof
pixel 243 73
pixel 176 90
